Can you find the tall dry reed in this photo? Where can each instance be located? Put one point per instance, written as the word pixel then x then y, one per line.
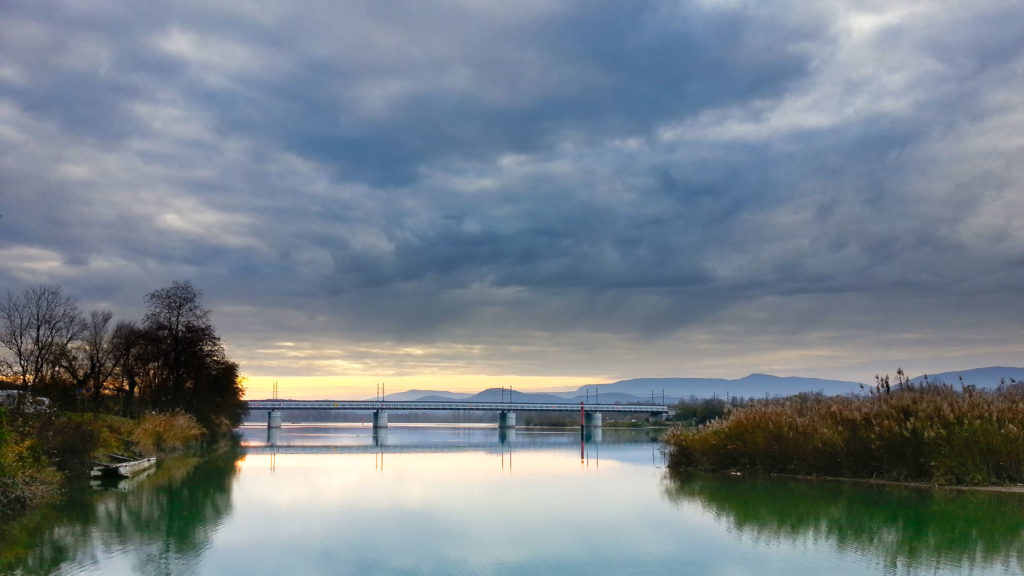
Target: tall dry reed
pixel 167 433
pixel 929 433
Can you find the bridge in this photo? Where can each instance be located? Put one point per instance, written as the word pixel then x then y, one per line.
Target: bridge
pixel 590 414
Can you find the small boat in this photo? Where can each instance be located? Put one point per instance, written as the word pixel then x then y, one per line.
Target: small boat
pixel 124 468
pixel 119 484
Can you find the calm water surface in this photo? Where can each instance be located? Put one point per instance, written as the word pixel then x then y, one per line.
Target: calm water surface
pixel 473 500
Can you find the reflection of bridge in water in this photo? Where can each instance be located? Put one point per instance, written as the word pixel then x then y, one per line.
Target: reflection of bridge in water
pixel 406 448
pixel 590 414
pixel 505 442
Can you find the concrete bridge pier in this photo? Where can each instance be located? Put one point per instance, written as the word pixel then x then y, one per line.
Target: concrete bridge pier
pixel 380 419
pixel 273 419
pixel 592 420
pixel 506 419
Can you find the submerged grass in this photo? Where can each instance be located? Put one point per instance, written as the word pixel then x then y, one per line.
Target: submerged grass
pixel 921 433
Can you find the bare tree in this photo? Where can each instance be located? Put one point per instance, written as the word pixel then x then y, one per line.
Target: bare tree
pixel 93 357
pixel 37 328
pixel 181 324
pixel 182 363
pixel 129 343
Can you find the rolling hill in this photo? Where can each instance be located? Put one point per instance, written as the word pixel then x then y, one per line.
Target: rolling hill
pixel 989 377
pixel 673 390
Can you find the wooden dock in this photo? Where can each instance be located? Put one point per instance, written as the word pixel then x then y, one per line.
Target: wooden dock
pixel 126 468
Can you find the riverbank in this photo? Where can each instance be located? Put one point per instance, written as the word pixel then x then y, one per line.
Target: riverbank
pixel 41 452
pixel 931 434
pixel 184 491
pixel 1008 489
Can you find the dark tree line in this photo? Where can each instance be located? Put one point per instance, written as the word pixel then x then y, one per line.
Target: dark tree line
pixel 170 360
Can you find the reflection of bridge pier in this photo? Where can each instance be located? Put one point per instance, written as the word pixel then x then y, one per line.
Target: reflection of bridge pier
pixel 274 435
pixel 380 436
pixel 523 442
pixel 506 436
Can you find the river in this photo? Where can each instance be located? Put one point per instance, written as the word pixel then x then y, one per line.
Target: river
pixel 461 500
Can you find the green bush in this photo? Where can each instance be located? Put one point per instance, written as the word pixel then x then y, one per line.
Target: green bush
pixel 73 442
pixel 38 450
pixel 697 412
pixel 26 476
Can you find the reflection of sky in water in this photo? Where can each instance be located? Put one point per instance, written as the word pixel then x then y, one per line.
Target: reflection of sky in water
pixel 468 512
pixel 529 506
pixel 525 506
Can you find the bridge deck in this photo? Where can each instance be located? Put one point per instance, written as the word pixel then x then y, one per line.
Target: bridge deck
pixel 451 406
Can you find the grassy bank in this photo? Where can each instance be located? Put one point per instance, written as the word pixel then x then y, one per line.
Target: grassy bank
pixel 41 451
pixel 921 433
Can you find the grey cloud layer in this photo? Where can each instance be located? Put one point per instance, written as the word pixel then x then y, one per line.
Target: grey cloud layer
pixel 507 173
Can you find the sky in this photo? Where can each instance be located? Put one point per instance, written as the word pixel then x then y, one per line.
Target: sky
pixel 461 194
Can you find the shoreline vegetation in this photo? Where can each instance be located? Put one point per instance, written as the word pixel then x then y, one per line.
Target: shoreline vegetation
pixel 928 433
pixel 74 388
pixel 41 453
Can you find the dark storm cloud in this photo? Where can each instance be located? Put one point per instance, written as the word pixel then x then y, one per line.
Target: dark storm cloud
pixel 597 71
pixel 491 172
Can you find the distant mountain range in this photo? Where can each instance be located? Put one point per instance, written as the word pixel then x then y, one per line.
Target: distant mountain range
pixel 424 396
pixel 672 390
pixel 989 377
pixel 657 390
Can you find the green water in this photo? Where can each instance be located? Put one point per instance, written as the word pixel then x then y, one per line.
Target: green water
pixel 471 500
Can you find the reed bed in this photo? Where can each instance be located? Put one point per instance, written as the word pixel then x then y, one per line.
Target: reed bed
pixel 930 432
pixel 159 434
